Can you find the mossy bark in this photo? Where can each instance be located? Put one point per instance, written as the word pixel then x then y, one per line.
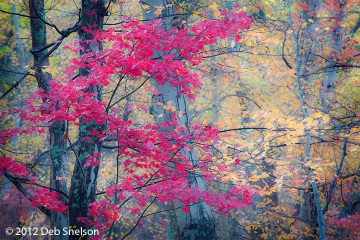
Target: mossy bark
pixel 84 179
pixel 57 128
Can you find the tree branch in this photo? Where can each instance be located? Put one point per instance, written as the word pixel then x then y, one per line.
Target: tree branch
pixel 356 27
pixel 18 185
pixel 18 14
pixel 22 180
pixel 256 128
pixel 338 172
pixel 14 86
pixel 141 217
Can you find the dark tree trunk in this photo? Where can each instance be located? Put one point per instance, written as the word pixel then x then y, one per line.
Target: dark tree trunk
pixel 57 128
pixel 84 179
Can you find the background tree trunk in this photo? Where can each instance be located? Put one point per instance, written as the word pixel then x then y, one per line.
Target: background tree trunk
pixel 198 223
pixel 334 46
pixel 304 62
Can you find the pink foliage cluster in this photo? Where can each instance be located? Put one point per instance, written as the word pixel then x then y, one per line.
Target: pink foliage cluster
pixel 49 200
pixel 7 134
pixel 351 223
pixel 9 165
pixel 139 49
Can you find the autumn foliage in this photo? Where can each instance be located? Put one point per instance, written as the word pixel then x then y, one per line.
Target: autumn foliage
pixel 271 96
pixel 139 49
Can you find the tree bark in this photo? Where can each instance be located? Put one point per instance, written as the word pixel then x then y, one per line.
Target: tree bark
pixel 57 128
pixel 84 179
pixel 305 61
pixel 198 224
pixel 334 48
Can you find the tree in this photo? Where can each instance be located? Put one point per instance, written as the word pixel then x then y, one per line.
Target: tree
pixel 84 179
pixel 198 222
pixel 158 167
pixel 57 128
pixel 276 118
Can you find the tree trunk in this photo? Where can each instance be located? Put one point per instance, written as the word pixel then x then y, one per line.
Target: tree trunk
pixel 304 62
pixel 198 223
pixel 334 48
pixel 84 179
pixel 57 129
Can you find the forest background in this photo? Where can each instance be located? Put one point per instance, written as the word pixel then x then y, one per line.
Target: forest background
pixel 181 119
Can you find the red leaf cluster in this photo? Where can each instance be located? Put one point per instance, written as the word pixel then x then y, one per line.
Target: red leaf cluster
pixel 48 199
pixel 11 166
pixel 157 165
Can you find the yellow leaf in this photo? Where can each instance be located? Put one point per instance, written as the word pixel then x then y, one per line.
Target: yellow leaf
pixel 316 115
pixel 326 118
pixel 275 111
pixel 169 107
pixel 217 14
pixel 250 43
pixel 47 69
pixel 262 193
pixel 264 175
pixel 196 13
pixel 292 124
pixel 214 6
pixel 146 6
pixel 254 178
pixel 180 114
pixel 252 124
pixel 158 10
pixel 309 120
pixel 233 176
pixel 326 53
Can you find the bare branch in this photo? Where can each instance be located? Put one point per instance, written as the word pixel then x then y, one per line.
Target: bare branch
pixel 338 172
